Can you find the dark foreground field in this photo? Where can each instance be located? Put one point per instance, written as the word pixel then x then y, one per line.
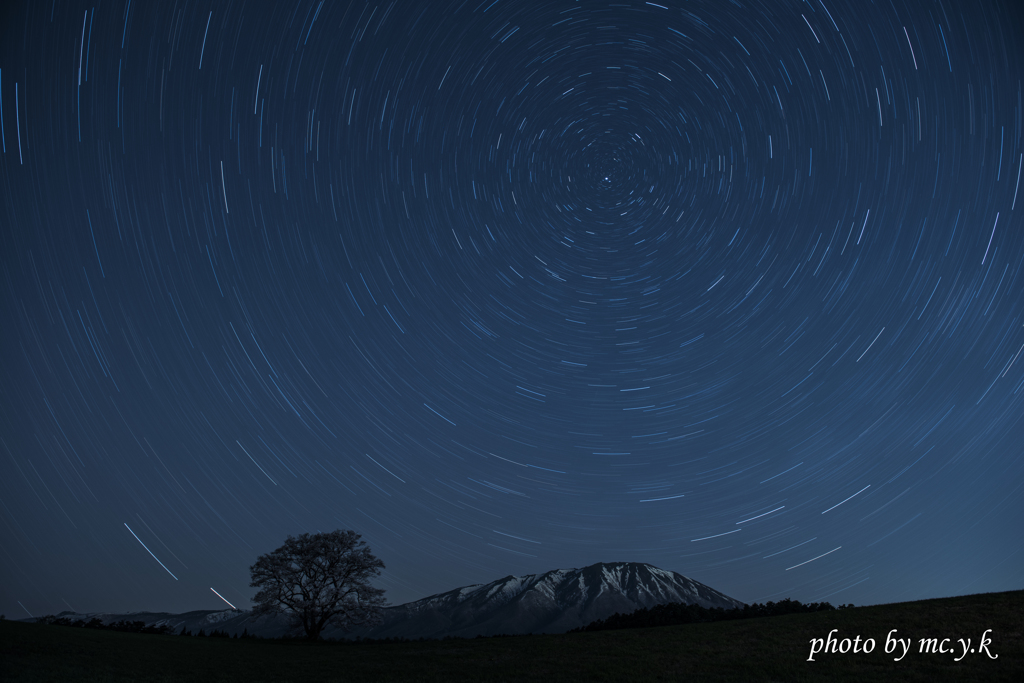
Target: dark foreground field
pixel 769 649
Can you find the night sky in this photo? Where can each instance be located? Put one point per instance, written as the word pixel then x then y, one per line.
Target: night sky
pixel 731 288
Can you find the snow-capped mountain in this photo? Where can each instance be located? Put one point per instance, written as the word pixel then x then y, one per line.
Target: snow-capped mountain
pixel 552 602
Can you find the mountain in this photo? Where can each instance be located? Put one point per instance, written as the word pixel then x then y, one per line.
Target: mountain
pixel 552 602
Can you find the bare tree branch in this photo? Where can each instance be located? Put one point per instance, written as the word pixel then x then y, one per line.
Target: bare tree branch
pixel 319 580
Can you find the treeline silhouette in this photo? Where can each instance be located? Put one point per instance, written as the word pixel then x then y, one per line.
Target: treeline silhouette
pixel 215 633
pixel 676 613
pixel 126 626
pixel 95 623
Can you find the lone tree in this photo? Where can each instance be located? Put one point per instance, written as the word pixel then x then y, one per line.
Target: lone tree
pixel 320 579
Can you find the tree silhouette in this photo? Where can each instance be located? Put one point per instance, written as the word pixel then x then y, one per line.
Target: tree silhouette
pixel 319 579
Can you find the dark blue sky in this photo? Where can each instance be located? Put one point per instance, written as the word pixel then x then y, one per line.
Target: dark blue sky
pixel 734 289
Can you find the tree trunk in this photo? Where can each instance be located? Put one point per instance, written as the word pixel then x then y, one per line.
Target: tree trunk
pixel 312 627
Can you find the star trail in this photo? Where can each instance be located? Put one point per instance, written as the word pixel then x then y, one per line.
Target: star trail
pixel 730 288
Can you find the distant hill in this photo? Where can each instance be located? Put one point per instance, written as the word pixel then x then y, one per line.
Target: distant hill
pixel 552 602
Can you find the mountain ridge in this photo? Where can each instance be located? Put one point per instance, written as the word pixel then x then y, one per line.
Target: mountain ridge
pixel 554 601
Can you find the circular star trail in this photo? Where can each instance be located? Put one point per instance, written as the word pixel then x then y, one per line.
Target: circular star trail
pixel 733 289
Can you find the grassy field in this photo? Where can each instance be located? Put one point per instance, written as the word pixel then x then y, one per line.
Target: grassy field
pixel 769 649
